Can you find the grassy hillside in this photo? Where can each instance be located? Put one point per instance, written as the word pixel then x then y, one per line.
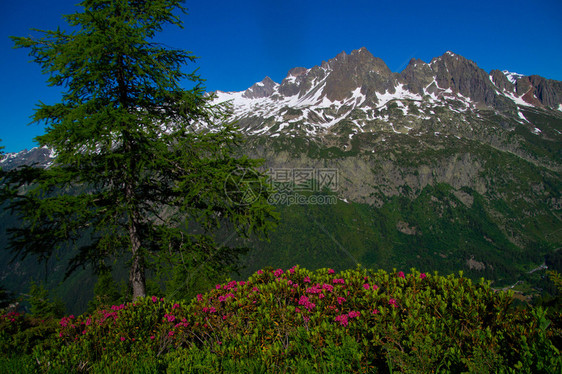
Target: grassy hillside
pixel 434 231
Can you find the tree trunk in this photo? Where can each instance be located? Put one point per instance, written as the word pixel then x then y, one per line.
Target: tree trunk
pixel 137 277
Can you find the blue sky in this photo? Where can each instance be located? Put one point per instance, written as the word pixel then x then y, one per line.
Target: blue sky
pixel 241 42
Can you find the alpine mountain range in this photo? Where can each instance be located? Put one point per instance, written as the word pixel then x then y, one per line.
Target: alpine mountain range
pixel 440 166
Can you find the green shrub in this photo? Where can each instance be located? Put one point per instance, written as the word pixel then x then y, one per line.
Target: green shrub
pixel 301 321
pixel 20 334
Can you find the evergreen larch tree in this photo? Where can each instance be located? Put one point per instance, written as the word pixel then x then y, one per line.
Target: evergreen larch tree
pixel 143 167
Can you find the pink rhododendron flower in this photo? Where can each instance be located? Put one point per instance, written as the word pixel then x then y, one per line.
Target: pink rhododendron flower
pixel 152 337
pixel 154 299
pixel 292 270
pixel 218 287
pixel 122 338
pixel 328 287
pixel 375 311
pixel 260 272
pixel 199 297
pixel 393 303
pixel 342 319
pixel 314 289
pixel 306 302
pixel 353 314
pixel 337 280
pixel 176 306
pixel 331 271
pixel 341 300
pixel 306 279
pixel 366 286
pixel 278 273
pixel 230 286
pixel 422 275
pixel 401 274
pixel 171 333
pixel 375 287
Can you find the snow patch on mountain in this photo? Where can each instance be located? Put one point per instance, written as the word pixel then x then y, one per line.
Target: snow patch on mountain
pixel 512 77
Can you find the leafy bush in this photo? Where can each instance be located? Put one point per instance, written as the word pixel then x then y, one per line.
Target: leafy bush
pixel 298 320
pixel 20 334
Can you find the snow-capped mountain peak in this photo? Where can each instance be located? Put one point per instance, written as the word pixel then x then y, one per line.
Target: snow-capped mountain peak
pixel 357 92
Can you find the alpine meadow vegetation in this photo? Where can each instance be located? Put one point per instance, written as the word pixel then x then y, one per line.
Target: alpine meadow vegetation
pixel 297 320
pixel 134 177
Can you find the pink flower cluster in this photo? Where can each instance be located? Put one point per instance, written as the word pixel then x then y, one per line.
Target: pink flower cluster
pixel 393 303
pixel 182 323
pixel 65 320
pixel 223 298
pixel 278 273
pixel 11 316
pixel 209 310
pixel 232 285
pixel 106 315
pixel 304 301
pixel 343 319
pixel 316 289
pixel 116 308
pixel 367 286
pixel 338 281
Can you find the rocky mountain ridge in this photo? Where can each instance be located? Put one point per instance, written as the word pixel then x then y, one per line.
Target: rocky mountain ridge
pixel 358 89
